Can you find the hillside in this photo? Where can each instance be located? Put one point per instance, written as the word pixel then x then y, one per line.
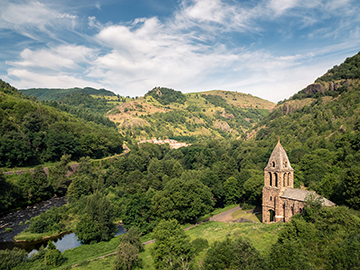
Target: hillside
pixel 32 133
pixel 319 127
pixel 164 112
pixel 57 93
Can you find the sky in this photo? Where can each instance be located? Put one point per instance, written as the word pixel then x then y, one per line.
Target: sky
pixel 267 48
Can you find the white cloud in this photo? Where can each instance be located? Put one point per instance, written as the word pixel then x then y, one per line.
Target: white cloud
pixel 32 18
pixel 190 51
pixel 57 58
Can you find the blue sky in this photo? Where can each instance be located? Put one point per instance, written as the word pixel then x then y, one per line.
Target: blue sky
pixel 270 48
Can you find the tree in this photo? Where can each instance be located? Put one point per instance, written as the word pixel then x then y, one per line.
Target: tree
pixel 232 191
pixel 96 224
pixel 233 254
pixel 352 187
pixel 182 200
pixel 53 256
pixel 127 256
pixel 172 249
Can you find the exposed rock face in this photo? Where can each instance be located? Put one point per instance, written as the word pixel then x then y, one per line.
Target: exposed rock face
pixel 314 88
pixel 223 126
pixel 287 108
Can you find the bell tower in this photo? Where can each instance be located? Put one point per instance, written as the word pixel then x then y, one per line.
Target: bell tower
pixel 278 175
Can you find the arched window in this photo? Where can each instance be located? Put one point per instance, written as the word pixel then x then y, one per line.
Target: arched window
pixel 270 198
pixel 288 179
pixel 272 214
pixel 270 176
pixel 276 180
pixel 284 180
pixel 273 163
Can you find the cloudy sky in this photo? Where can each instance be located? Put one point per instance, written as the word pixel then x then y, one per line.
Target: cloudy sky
pixel 268 48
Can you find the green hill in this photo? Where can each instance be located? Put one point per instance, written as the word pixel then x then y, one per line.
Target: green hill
pixel 32 133
pixel 57 93
pixel 319 128
pixel 164 112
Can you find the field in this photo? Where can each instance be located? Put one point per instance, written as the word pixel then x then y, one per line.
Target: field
pixel 262 236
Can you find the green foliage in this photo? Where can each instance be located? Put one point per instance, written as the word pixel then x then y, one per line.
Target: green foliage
pixel 96 224
pixel 12 258
pixel 32 133
pixel 172 249
pixel 166 95
pixel 317 239
pixel 233 254
pixel 8 230
pixel 49 221
pixel 182 199
pixel 55 94
pixel 52 255
pixel 199 244
pixel 128 251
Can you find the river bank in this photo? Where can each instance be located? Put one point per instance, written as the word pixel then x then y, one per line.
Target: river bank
pixel 13 219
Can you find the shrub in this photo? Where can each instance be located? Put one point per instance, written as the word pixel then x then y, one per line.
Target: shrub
pixel 199 244
pixel 12 258
pixel 27 222
pixel 8 230
pixel 21 223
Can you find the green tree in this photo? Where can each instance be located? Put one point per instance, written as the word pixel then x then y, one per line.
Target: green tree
pixel 232 254
pixel 182 200
pixel 96 224
pixel 232 191
pixel 172 248
pixel 127 256
pixel 53 256
pixel 352 187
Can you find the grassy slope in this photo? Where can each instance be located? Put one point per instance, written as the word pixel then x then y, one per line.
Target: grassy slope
pixel 261 235
pixel 145 115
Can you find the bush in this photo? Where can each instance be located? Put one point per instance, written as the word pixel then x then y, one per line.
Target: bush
pixel 27 222
pixel 53 256
pixel 12 258
pixel 199 244
pixel 21 223
pixel 8 230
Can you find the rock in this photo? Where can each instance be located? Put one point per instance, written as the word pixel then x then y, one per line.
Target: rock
pixel 314 88
pixel 223 126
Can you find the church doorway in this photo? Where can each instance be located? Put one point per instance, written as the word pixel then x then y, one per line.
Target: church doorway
pixel 272 215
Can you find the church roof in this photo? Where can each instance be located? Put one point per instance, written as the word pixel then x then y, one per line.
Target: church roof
pixel 279 160
pixel 299 195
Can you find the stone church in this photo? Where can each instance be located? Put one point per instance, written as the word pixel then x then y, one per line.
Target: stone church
pixel 280 200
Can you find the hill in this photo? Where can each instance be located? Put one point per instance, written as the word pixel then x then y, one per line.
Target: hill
pixel 319 127
pixel 32 133
pixel 57 93
pixel 164 112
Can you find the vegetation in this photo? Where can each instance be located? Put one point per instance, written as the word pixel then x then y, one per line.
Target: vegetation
pixel 32 133
pixel 166 96
pixel 55 94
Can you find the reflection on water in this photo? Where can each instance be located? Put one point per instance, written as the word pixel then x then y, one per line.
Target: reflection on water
pixel 62 243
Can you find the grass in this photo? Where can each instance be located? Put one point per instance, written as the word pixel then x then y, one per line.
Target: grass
pixel 242 214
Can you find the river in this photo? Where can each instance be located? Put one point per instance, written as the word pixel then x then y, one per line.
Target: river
pixel 13 219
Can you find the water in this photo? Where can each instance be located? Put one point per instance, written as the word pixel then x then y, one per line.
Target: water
pixel 62 243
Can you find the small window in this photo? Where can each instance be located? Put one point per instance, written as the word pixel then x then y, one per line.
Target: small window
pixel 270 198
pixel 273 163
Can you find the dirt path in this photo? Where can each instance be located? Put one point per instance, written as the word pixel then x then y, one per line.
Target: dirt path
pixel 225 216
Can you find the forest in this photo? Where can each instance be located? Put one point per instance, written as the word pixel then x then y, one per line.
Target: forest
pixel 156 189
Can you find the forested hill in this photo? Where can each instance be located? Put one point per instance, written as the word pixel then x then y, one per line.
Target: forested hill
pixel 164 112
pixel 32 133
pixel 58 93
pixel 319 128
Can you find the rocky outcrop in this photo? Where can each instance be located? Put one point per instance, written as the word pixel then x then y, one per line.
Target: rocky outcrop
pixel 314 88
pixel 223 126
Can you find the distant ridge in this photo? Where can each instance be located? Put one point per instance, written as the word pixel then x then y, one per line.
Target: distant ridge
pixel 57 93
